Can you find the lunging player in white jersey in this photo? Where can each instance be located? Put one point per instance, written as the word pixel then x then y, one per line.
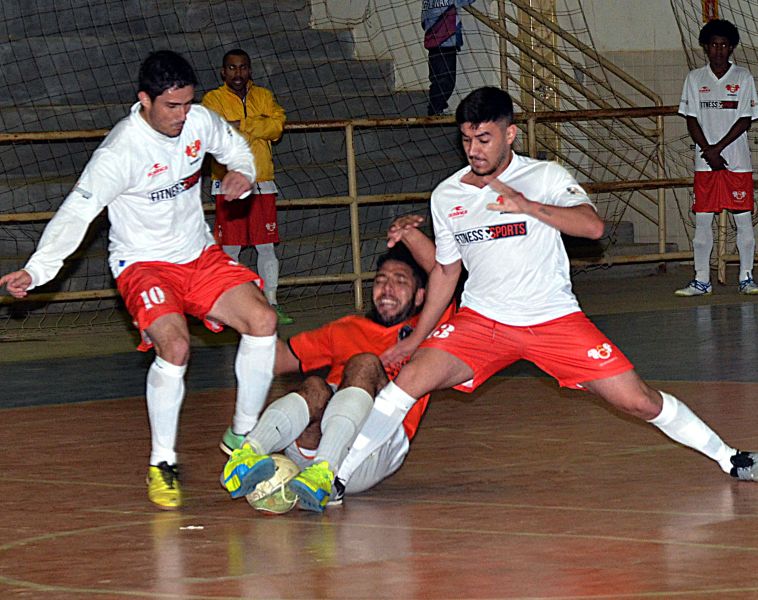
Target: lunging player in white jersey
pixel 162 253
pixel 502 218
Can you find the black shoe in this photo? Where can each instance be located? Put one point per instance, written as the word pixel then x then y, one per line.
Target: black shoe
pixel 338 492
pixel 745 466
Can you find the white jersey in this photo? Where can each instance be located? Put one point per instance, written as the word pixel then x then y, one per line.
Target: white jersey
pixel 151 186
pixel 518 270
pixel 717 104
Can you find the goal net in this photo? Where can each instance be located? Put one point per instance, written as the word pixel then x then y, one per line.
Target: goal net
pixel 70 70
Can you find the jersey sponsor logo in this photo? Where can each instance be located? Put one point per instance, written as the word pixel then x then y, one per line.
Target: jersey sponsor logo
pixel 601 352
pixel 732 88
pixel 193 149
pixel 175 189
pixel 705 90
pixel 457 212
pixel 157 169
pixel 490 232
pixel 719 104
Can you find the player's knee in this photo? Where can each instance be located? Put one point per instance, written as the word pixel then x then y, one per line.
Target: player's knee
pixel 175 350
pixel 644 404
pixel 365 371
pixel 261 321
pixel 316 393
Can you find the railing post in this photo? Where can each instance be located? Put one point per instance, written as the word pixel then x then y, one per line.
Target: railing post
pixel 661 191
pixel 531 135
pixel 355 233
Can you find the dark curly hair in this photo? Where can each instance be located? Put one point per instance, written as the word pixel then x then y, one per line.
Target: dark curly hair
pixel 721 28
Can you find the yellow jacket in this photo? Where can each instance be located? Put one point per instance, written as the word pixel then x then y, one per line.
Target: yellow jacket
pixel 261 122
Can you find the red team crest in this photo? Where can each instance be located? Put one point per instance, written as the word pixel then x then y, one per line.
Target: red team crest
pixel 601 352
pixel 732 88
pixel 192 149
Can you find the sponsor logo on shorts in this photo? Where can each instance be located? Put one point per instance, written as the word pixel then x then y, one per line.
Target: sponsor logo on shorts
pixel 601 352
pixel 193 149
pixel 457 212
pixel 739 195
pixel 271 227
pixel 490 233
pixel 732 88
pixel 157 169
pixel 719 104
pixel 175 189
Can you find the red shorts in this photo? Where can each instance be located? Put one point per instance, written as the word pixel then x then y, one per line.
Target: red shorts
pixel 248 222
pixel 570 348
pixel 722 190
pixel 152 289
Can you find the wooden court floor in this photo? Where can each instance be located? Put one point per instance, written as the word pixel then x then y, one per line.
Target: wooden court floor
pixel 520 490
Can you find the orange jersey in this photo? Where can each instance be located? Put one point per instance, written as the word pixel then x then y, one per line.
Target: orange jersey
pixel 333 344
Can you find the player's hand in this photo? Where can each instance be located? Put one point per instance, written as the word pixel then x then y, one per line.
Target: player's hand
pixel 712 156
pixel 235 185
pixel 508 200
pixel 16 283
pixel 396 356
pixel 401 226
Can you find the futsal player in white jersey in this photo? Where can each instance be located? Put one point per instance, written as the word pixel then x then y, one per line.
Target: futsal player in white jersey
pixel 502 218
pixel 719 102
pixel 162 254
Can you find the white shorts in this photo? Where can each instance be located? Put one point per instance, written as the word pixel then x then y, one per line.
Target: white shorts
pixel 382 463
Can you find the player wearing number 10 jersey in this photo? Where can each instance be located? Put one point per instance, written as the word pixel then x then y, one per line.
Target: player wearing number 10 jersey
pixel 162 254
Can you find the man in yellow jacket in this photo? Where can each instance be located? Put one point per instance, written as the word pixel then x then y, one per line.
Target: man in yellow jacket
pixel 251 221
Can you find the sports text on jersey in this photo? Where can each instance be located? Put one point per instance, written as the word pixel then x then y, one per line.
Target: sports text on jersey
pixel 491 232
pixel 728 104
pixel 175 189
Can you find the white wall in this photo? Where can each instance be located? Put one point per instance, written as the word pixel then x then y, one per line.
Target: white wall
pixel 630 25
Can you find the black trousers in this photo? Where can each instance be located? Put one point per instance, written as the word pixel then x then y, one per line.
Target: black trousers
pixel 442 65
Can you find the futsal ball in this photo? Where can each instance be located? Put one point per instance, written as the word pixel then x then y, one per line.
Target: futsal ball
pixel 272 495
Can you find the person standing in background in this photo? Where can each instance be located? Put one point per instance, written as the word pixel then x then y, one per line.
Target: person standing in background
pixel 253 110
pixel 443 38
pixel 719 102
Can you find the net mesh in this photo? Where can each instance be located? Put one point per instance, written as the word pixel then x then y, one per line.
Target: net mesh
pixel 71 65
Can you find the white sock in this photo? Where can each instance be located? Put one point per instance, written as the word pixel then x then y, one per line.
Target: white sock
pixel 678 422
pixel 164 395
pixel 745 243
pixel 387 414
pixel 233 251
pixel 268 268
pixel 254 367
pixel 702 245
pixel 344 415
pixel 280 424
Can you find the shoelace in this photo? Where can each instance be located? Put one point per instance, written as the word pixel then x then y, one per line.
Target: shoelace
pixel 169 474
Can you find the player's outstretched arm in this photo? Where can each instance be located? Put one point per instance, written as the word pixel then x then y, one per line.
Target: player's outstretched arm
pixel 580 220
pixel 16 283
pixel 406 229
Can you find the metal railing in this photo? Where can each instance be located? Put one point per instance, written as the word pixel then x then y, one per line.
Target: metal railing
pixel 353 199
